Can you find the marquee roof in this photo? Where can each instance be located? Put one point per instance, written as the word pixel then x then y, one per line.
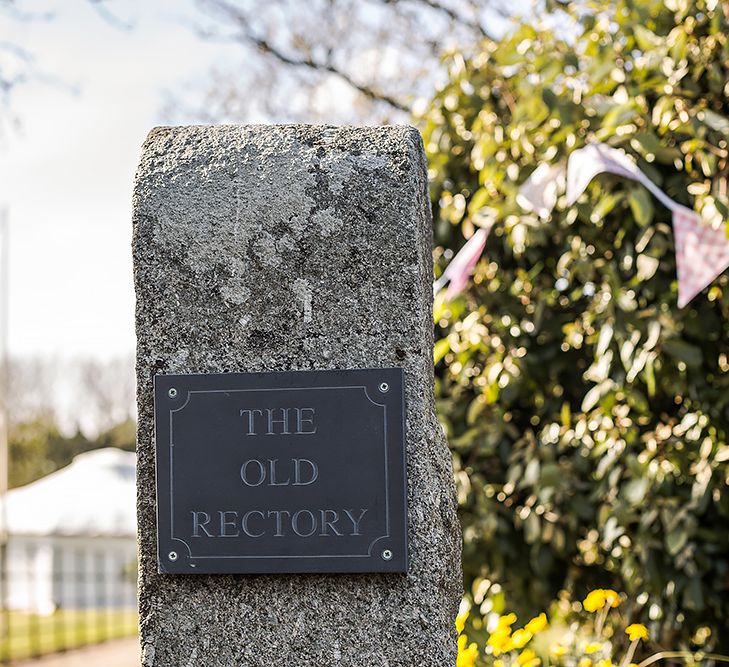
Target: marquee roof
pixel 93 496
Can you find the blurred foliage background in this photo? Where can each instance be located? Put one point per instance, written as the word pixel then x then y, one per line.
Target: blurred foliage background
pixel 587 415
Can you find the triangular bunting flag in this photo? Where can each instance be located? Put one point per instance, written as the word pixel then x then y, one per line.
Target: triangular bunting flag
pixel 702 253
pixel 587 162
pixel 459 270
pixel 539 192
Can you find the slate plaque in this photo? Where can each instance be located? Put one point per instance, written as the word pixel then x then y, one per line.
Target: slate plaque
pixel 281 472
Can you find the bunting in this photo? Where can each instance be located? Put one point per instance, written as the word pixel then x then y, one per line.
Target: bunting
pixel 702 252
pixel 540 191
pixel 461 267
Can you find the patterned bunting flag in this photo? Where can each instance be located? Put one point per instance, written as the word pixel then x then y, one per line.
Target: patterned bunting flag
pixel 702 253
pixel 461 267
pixel 586 163
pixel 539 192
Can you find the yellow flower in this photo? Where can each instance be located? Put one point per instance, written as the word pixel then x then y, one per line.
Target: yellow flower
pixel 521 637
pixel 611 597
pixel 593 647
pixel 525 655
pixel 598 598
pixel 498 663
pixel 557 650
pixel 506 621
pixel 527 658
pixel 537 624
pixel 466 654
pixel 605 663
pixel 461 621
pixel 500 641
pixel 636 631
pixel 584 662
pixel 595 600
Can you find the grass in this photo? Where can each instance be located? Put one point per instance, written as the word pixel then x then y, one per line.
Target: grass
pixel 25 635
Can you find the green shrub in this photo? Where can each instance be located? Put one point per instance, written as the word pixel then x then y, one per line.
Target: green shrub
pixel 588 416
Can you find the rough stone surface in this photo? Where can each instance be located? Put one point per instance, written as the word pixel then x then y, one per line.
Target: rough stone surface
pixel 263 248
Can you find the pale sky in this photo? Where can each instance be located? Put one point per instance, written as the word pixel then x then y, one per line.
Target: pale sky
pixel 66 177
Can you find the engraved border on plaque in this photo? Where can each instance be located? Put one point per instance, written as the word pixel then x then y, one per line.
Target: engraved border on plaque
pixel 233 391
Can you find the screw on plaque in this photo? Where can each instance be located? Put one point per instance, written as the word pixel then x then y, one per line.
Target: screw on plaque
pixel 172 392
pixel 387 554
pixel 384 387
pixel 172 556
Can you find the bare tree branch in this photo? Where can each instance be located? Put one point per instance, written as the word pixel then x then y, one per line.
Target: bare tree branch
pixel 266 46
pixel 102 8
pixel 19 66
pixel 330 60
pixel 10 7
pixel 450 13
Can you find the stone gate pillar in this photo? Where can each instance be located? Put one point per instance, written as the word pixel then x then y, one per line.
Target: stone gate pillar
pixel 278 248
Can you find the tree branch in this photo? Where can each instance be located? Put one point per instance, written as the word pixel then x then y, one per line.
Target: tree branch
pixel 306 62
pixel 112 19
pixel 450 13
